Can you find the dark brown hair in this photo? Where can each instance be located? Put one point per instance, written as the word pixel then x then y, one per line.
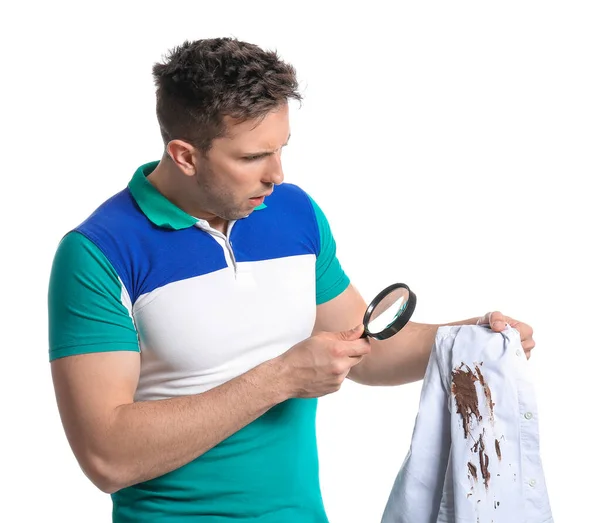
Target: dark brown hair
pixel 200 82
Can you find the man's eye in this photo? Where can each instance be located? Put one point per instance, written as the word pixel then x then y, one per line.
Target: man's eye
pixel 252 158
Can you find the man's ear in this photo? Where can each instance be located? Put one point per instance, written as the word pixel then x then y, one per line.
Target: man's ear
pixel 184 155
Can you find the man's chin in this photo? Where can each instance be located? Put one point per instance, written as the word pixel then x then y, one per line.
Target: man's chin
pixel 237 215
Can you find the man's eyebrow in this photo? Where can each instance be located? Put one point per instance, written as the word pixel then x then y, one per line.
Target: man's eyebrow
pixel 265 153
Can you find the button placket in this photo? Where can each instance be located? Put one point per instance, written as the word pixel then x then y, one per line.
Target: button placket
pixel 222 240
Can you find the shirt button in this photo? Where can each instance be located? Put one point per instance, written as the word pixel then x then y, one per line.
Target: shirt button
pixel 528 415
pixel 519 352
pixel 532 482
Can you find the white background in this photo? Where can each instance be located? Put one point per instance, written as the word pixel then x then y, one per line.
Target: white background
pixel 454 146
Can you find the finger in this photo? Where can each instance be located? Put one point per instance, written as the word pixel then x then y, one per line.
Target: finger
pixel 355 360
pixel 352 334
pixel 497 321
pixel 525 330
pixel 528 344
pixel 356 348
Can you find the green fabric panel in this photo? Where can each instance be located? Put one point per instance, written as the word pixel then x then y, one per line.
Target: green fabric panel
pixel 154 205
pixel 331 278
pixel 85 312
pixel 157 208
pixel 267 472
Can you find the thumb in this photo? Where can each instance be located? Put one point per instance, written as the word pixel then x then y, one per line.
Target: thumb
pixel 352 334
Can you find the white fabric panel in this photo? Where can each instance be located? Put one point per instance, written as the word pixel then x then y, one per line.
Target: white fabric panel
pixel 198 333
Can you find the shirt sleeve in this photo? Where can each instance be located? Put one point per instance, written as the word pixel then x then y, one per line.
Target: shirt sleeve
pixel 331 278
pixel 88 307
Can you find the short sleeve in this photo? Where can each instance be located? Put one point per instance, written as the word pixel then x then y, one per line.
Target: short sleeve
pixel 88 307
pixel 331 278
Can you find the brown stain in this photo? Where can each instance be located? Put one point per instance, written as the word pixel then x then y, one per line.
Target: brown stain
pixel 465 394
pixel 473 470
pixel 467 405
pixel 484 462
pixel 488 393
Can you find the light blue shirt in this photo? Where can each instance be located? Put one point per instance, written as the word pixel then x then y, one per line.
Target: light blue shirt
pixel 474 454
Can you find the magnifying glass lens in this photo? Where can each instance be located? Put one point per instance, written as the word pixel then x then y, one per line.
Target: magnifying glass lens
pixel 388 310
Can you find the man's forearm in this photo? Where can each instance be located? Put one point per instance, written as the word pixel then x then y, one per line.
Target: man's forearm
pixel 147 439
pixel 402 358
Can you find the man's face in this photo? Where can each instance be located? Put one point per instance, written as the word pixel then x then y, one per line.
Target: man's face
pixel 242 167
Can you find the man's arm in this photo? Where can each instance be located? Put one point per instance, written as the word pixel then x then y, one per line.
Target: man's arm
pixel 119 443
pixel 402 358
pixel 395 361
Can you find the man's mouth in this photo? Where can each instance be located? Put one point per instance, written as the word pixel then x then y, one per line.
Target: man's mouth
pixel 262 196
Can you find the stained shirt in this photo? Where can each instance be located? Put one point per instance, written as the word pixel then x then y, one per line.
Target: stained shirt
pixel 475 453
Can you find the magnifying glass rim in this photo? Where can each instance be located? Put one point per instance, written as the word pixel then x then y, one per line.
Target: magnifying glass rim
pixel 400 321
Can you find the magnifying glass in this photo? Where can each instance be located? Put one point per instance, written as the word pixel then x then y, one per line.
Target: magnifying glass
pixel 389 311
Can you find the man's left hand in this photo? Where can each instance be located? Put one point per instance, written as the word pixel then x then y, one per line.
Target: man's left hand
pixel 498 321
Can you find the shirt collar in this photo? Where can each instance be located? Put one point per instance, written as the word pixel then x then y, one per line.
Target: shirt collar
pixel 157 208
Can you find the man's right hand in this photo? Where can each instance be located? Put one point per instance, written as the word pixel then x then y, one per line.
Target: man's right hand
pixel 318 365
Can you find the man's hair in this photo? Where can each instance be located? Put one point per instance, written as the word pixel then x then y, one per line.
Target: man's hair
pixel 200 82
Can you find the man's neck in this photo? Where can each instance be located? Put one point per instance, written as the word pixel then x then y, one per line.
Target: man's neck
pixel 174 186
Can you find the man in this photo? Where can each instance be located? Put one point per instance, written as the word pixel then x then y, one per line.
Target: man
pixel 196 316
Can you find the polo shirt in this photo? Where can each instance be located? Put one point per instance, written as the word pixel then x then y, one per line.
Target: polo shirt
pixel 202 307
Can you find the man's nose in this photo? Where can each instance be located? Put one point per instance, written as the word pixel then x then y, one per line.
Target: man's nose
pixel 274 172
